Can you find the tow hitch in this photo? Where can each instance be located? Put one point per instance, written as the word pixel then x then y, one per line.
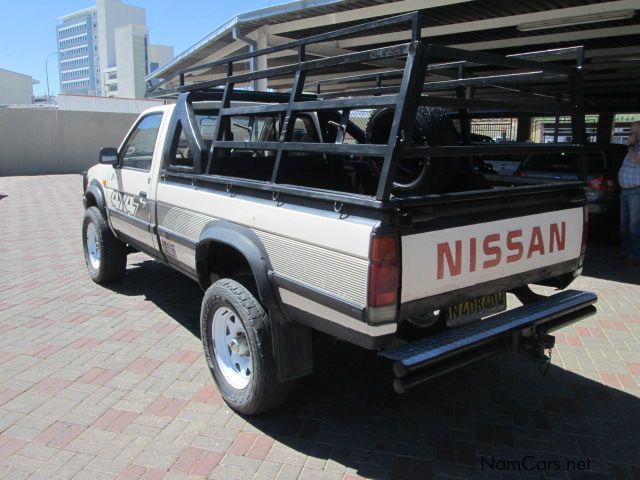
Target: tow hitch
pixel 540 348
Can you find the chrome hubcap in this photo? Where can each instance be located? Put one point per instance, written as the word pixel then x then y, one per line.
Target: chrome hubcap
pixel 93 248
pixel 231 347
pixel 239 346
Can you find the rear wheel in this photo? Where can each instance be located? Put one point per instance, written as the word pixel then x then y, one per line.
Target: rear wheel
pixel 237 344
pixel 104 254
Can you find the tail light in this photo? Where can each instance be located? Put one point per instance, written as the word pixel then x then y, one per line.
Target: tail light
pixel 585 229
pixel 522 173
pixel 585 234
pixel 384 277
pixel 603 184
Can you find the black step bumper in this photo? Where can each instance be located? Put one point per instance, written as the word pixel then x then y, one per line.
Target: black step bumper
pixel 446 351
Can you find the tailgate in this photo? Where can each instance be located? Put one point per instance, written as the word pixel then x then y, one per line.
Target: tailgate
pixel 453 264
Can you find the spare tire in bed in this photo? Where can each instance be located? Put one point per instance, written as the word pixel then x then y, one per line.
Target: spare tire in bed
pixel 419 176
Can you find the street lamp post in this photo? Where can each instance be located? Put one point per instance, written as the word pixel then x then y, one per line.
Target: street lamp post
pixel 46 69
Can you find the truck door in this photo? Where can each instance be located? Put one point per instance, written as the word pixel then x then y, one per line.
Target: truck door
pixel 129 185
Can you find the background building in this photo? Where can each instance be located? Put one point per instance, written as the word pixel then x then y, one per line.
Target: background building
pixel 78 52
pixel 15 88
pixel 104 50
pixel 132 60
pixel 159 55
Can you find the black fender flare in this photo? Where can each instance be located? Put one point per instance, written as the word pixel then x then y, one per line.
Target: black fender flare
pixel 291 341
pixel 95 190
pixel 245 241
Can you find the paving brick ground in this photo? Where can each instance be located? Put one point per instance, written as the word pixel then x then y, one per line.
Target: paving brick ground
pixel 100 383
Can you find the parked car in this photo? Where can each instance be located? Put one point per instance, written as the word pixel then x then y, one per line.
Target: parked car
pixel 288 228
pixel 603 164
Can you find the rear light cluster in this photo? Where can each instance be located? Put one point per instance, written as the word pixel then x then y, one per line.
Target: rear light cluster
pixel 585 232
pixel 603 184
pixel 522 173
pixel 384 277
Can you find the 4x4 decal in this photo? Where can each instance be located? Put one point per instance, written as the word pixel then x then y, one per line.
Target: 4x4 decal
pixel 124 202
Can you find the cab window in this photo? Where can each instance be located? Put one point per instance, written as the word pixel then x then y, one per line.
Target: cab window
pixel 206 121
pixel 304 131
pixel 258 164
pixel 138 151
pixel 254 129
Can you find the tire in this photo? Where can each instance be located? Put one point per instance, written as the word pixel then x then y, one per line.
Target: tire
pixel 432 127
pixel 107 260
pixel 225 303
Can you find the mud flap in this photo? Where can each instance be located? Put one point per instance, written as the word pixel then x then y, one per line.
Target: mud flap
pixel 292 348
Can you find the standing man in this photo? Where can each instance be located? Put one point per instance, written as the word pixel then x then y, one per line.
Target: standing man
pixel 629 179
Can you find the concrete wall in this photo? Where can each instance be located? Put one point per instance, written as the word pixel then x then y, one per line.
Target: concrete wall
pixel 105 104
pixel 15 88
pixel 38 141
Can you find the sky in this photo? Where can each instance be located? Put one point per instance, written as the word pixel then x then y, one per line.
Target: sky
pixel 27 29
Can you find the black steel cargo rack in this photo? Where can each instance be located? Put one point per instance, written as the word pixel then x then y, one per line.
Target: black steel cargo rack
pixel 405 76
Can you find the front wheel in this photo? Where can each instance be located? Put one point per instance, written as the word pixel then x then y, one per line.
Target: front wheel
pixel 237 345
pixel 104 254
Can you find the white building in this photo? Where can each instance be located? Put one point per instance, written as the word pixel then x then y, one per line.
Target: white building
pixel 104 50
pixel 132 60
pixel 159 55
pixel 78 52
pixel 15 88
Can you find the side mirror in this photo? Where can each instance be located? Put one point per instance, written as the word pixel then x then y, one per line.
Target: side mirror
pixel 108 156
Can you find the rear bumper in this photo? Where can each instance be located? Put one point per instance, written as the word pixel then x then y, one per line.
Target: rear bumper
pixel 430 357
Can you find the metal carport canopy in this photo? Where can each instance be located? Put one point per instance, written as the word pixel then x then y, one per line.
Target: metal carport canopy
pixel 610 31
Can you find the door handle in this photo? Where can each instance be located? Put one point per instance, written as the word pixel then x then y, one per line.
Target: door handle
pixel 142 194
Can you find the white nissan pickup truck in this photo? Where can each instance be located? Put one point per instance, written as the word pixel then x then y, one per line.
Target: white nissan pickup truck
pixel 347 206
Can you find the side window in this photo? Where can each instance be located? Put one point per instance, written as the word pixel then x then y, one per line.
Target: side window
pixel 254 129
pixel 349 139
pixel 304 131
pixel 183 156
pixel 250 163
pixel 138 151
pixel 208 127
pixel 267 129
pixel 240 130
pixel 258 164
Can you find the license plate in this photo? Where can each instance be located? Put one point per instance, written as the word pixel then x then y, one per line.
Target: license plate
pixel 471 310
